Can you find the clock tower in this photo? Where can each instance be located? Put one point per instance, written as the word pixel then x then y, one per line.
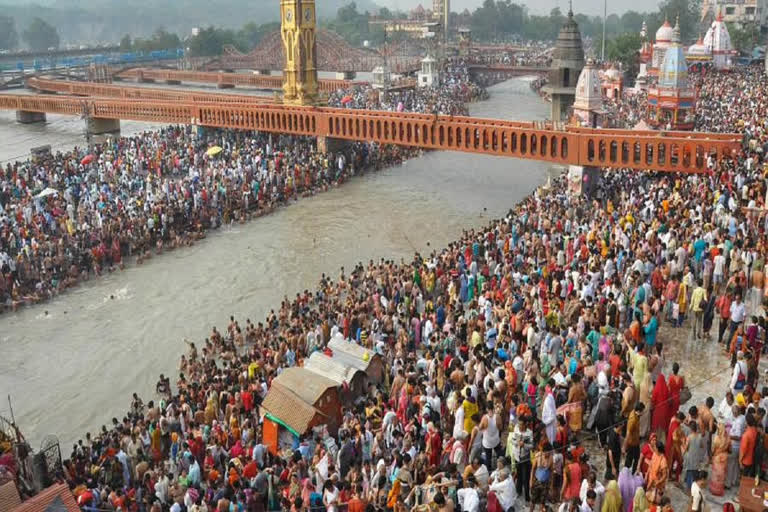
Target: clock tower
pixel 297 29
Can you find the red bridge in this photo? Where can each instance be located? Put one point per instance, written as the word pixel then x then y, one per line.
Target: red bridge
pixel 654 150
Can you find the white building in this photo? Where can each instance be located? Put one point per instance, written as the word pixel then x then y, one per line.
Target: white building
pixel 717 40
pixel 588 104
pixel 428 76
pixel 662 42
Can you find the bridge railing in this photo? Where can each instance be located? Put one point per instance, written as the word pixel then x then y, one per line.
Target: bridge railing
pixel 601 148
pixel 234 79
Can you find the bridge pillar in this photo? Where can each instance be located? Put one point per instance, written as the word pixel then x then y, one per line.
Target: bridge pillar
pixel 27 117
pixel 102 126
pixel 583 180
pixel 346 75
pixel 265 72
pixel 173 82
pixel 327 145
pixel 220 84
pixel 140 79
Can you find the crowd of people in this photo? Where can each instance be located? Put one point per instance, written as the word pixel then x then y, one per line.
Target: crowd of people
pixel 449 97
pixel 64 219
pixel 75 214
pixel 505 353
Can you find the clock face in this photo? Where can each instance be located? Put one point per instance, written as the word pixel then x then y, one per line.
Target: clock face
pixel 307 14
pixel 288 15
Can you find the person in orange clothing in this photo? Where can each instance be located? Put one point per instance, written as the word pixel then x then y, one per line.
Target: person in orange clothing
pixel 356 503
pixel 658 473
pixel 747 447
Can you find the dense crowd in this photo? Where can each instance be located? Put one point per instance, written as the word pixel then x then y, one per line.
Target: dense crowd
pixel 148 193
pixel 503 352
pixel 449 97
pixel 72 215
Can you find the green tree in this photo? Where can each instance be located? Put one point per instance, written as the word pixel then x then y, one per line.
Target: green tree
pixel 40 35
pixel 624 49
pixel 631 21
pixel 160 40
pixel 125 43
pixel 744 38
pixel 351 25
pixel 9 39
pixel 687 11
pixel 210 41
pixel 511 16
pixel 251 34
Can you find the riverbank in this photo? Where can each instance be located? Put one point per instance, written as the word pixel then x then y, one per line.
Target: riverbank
pixel 245 271
pixel 52 243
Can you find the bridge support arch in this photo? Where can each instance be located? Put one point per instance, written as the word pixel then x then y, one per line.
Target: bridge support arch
pixel 102 126
pixel 27 117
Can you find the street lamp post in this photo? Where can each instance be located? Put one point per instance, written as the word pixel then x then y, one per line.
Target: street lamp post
pixel 605 14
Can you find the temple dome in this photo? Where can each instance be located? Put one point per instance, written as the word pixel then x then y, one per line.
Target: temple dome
pixel 589 95
pixel 569 51
pixel 664 34
pixel 673 73
pixel 698 49
pixel 717 38
pixel 718 42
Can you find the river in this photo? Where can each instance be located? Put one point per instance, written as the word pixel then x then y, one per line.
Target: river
pixel 72 364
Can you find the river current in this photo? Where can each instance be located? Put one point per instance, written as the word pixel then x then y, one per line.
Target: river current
pixel 70 365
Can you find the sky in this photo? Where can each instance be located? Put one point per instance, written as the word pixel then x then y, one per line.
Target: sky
pixel 590 7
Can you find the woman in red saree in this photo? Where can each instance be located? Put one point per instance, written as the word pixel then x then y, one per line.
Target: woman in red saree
pixel 675 384
pixel 674 447
pixel 661 406
pixel 721 446
pixel 434 444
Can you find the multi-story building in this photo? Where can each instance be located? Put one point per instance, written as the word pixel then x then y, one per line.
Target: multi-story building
pixel 740 12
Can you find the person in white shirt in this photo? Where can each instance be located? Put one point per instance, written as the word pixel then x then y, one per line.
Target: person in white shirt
pixel 697 492
pixel 504 487
pixel 725 409
pixel 591 484
pixel 469 500
pixel 737 315
pixel 589 503
pixel 739 376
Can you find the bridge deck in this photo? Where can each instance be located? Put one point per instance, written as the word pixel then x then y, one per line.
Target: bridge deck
pixel 229 79
pixel 149 93
pixel 674 151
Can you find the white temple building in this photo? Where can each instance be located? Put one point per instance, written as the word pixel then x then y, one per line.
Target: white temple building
pixel 660 45
pixel 588 104
pixel 718 41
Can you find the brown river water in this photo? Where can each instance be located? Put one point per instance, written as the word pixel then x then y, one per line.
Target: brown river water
pixel 71 370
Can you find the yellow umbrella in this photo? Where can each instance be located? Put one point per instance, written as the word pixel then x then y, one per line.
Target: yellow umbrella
pixel 213 150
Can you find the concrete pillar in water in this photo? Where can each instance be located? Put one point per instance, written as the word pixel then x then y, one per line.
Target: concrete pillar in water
pixel 27 117
pixel 102 126
pixel 346 75
pixel 141 80
pixel 327 145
